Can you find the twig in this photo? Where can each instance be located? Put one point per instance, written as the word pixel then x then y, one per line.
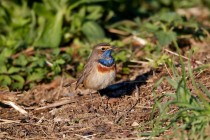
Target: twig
pixel 84 137
pixel 59 103
pixel 140 40
pixel 7 137
pixel 16 107
pixel 9 99
pixel 5 121
pixel 145 107
pixel 59 89
pixel 197 62
pixel 139 62
pixel 116 31
pixel 167 70
pixel 29 51
pixel 126 112
pixel 49 63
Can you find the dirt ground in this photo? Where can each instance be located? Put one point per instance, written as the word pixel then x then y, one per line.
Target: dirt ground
pixel 56 111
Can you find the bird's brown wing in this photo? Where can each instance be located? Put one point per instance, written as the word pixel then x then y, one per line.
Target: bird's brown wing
pixel 84 74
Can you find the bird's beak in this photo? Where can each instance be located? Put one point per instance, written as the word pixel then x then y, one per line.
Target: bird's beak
pixel 107 53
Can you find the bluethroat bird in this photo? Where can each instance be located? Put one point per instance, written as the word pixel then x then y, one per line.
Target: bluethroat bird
pixel 100 69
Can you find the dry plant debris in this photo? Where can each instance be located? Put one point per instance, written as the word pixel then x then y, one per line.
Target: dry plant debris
pixel 81 116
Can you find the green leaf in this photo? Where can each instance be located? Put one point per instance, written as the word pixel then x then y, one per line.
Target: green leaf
pixel 168 17
pixel 121 56
pixel 13 70
pixel 51 34
pixel 93 31
pixel 125 70
pixel 3 69
pixel 5 80
pixel 173 83
pixel 37 75
pixel 95 12
pixel 56 69
pixel 56 52
pixel 21 60
pixel 18 83
pixel 165 38
pixel 41 10
pixel 80 66
pixel 59 61
pixel 149 27
pixel 6 53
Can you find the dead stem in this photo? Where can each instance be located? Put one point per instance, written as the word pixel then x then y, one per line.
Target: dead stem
pixel 56 104
pixel 176 54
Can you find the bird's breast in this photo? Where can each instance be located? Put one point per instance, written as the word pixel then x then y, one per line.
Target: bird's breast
pixel 100 77
pixel 104 69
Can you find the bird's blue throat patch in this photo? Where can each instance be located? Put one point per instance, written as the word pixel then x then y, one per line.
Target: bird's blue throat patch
pixel 107 59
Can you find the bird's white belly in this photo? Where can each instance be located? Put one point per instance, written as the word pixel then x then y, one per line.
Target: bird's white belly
pixel 98 80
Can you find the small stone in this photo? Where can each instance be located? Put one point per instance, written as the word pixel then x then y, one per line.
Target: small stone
pixel 134 124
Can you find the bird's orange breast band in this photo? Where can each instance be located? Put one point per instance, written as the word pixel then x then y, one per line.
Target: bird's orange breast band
pixel 104 69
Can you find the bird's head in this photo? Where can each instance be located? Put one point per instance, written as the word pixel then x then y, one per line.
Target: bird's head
pixel 103 53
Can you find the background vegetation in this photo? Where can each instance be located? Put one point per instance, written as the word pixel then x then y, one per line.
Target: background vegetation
pixel 40 39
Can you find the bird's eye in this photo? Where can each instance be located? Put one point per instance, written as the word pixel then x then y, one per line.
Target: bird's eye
pixel 103 49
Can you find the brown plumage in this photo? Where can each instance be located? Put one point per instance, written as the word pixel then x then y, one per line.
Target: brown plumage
pixel 99 72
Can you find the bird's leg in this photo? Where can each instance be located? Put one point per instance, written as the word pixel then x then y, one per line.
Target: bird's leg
pixel 91 92
pixel 104 102
pixel 91 97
